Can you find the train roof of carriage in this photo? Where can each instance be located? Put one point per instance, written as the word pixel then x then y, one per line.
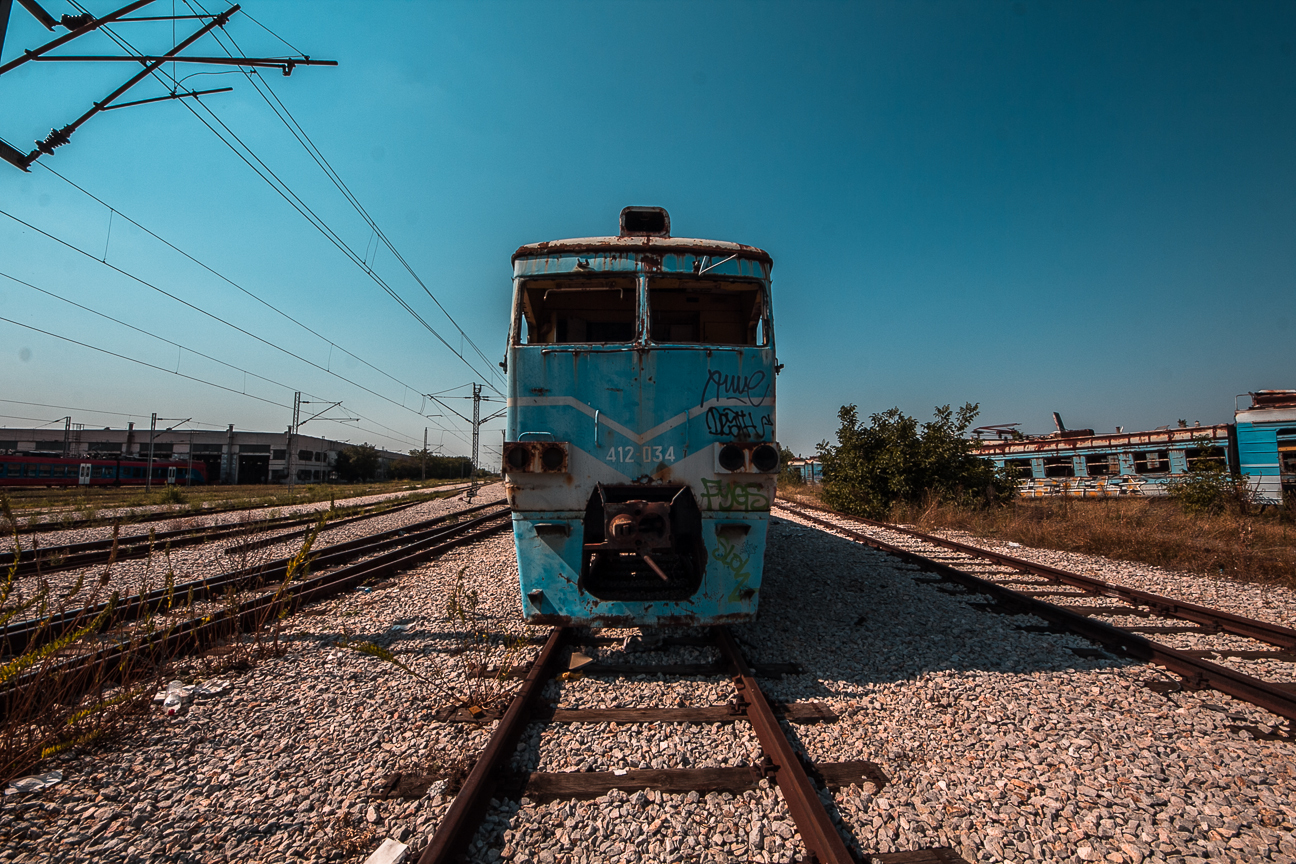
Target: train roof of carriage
pixel 643 229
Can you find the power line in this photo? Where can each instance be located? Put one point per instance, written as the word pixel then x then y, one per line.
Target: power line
pixel 239 287
pixel 210 315
pixel 143 363
pixel 321 226
pixel 181 348
pixel 295 128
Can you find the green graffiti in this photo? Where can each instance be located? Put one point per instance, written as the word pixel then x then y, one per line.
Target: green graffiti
pixel 736 563
pixel 733 495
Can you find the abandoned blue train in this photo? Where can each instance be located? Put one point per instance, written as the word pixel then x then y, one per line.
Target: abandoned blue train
pixel 640 453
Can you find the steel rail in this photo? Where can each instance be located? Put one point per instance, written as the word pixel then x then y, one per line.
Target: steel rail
pixel 460 823
pixel 27 526
pixel 19 637
pixel 817 831
pixel 130 652
pixel 71 556
pixel 1196 671
pixel 1166 607
pixel 812 820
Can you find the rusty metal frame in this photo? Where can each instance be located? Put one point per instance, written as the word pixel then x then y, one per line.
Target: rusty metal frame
pixel 1196 672
pixel 812 820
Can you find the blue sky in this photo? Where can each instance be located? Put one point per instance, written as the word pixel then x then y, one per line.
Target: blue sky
pixel 1087 208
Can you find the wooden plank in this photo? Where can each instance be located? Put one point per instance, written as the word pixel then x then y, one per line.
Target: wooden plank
pixel 1227 653
pixel 1107 611
pixel 834 775
pixel 764 670
pixel 939 855
pixel 547 786
pixel 798 712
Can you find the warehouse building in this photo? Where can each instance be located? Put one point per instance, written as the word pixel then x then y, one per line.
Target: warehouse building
pixel 229 456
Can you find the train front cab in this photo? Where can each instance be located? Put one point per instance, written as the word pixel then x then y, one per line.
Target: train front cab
pixel 640 458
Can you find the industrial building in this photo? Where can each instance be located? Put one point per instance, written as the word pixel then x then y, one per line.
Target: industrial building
pixel 229 455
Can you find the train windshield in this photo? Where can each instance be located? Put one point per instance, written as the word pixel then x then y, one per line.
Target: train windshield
pixel 579 310
pixel 708 312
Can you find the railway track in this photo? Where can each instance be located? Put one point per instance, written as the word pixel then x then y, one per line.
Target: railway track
pixel 71 556
pixel 28 524
pixel 266 596
pixel 1078 604
pixel 24 635
pixel 799 780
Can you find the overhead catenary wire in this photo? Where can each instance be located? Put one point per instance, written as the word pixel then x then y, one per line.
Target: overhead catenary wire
pixel 297 131
pixel 234 284
pixel 304 209
pixel 210 315
pixel 246 372
pixel 316 221
pixel 194 378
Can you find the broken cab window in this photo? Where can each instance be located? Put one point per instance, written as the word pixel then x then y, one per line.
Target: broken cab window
pixel 706 312
pixel 566 311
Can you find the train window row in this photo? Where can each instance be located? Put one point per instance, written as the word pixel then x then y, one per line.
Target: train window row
pixel 47 471
pixel 1109 464
pixel 565 311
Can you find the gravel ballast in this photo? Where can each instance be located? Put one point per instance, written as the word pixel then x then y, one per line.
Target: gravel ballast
pixel 1001 743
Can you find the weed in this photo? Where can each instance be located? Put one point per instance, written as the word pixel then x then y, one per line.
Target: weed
pixel 481 684
pixel 351 836
pixel 48 711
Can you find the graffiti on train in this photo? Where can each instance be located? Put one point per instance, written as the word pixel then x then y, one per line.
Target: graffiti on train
pixel 739 423
pixel 733 495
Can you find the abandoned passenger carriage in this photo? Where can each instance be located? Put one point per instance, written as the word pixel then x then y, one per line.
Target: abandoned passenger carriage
pixel 640 454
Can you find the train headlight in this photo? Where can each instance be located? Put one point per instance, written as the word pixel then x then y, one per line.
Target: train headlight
pixel 531 457
pixel 731 457
pixel 553 458
pixel 518 457
pixel 764 459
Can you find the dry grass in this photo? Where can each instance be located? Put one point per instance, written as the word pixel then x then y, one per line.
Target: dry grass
pixel 76 500
pixel 1254 547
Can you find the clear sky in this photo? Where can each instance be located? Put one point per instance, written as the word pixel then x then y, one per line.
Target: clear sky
pixel 1037 206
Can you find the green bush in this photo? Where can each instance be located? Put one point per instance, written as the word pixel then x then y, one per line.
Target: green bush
pixel 895 460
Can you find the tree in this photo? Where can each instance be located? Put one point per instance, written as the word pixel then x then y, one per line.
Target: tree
pixel 787 477
pixel 358 462
pixel 438 467
pixel 893 459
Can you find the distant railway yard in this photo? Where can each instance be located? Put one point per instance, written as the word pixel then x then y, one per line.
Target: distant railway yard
pixel 920 717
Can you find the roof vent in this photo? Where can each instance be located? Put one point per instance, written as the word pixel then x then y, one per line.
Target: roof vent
pixel 645 222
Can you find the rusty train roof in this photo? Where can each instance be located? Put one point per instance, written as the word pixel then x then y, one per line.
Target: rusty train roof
pixel 664 245
pixel 1180 436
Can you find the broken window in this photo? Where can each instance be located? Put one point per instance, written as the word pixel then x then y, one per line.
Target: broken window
pixel 1102 464
pixel 578 310
pixel 1059 466
pixel 1206 458
pixel 706 311
pixel 1287 451
pixel 1021 467
pixel 1151 462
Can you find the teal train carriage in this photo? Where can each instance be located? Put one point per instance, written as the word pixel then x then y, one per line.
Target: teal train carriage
pixel 640 453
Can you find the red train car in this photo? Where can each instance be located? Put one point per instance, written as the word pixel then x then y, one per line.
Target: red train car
pixel 57 471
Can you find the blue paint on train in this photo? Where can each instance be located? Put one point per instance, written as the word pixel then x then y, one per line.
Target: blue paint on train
pixel 641 455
